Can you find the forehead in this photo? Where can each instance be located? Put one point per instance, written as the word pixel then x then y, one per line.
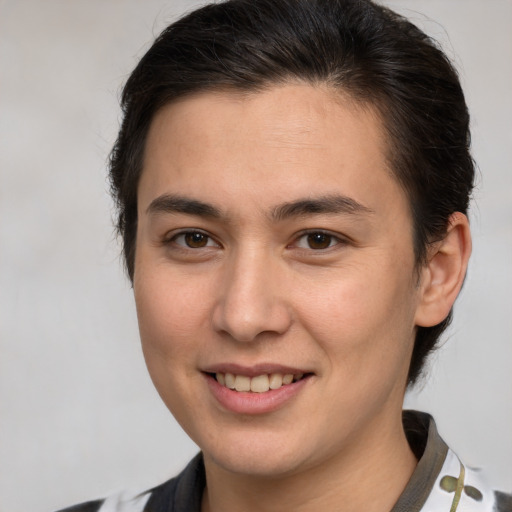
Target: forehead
pixel 294 115
pixel 286 142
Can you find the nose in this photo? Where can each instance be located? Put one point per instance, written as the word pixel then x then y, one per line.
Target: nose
pixel 251 300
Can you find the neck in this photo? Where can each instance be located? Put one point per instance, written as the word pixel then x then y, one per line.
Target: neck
pixel 370 474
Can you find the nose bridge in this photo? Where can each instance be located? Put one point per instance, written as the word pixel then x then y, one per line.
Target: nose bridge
pixel 249 301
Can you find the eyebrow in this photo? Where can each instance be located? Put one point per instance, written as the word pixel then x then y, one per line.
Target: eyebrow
pixel 330 204
pixel 179 204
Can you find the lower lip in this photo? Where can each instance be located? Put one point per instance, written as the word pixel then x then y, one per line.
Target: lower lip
pixel 242 402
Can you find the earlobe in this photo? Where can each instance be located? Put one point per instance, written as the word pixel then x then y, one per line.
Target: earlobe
pixel 443 275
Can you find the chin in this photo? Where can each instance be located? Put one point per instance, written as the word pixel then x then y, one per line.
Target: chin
pixel 258 455
pixel 260 466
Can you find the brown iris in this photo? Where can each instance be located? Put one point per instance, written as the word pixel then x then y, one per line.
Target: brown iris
pixel 195 240
pixel 319 240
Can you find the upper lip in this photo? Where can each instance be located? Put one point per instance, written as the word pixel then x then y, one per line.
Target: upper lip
pixel 254 370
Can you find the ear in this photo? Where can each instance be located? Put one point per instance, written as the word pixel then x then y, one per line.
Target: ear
pixel 442 277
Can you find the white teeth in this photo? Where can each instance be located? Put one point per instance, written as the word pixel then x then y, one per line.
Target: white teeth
pixel 276 381
pixel 288 378
pixel 242 383
pixel 259 384
pixel 229 381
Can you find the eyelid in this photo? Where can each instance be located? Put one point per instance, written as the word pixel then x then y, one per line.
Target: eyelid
pixel 171 237
pixel 337 237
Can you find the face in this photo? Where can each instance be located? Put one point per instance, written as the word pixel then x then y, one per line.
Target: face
pixel 274 256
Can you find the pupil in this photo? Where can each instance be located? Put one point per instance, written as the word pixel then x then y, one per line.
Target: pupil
pixel 195 239
pixel 319 240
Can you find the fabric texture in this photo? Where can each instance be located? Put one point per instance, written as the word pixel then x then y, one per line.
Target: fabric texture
pixel 440 482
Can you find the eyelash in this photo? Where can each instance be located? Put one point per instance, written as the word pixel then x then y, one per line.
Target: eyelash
pixel 323 237
pixel 210 242
pixel 326 234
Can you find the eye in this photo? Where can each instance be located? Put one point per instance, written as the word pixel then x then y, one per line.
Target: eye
pixel 193 240
pixel 317 240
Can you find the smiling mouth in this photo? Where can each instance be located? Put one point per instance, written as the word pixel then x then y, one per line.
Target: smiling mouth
pixel 259 384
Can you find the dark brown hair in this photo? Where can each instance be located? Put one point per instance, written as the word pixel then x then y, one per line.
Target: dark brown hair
pixel 356 46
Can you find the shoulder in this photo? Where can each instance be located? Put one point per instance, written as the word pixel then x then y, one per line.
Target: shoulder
pixel 124 501
pixel 441 481
pixel 182 493
pixel 89 506
pixel 119 502
pixel 503 502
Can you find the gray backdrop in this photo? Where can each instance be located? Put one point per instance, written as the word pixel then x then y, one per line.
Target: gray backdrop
pixel 78 414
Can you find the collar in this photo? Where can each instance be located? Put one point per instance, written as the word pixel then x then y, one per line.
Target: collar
pixel 440 482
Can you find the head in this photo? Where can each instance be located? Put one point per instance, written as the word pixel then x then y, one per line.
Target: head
pixel 360 49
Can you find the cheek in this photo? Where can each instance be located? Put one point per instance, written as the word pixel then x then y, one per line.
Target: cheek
pixel 171 318
pixel 171 311
pixel 364 317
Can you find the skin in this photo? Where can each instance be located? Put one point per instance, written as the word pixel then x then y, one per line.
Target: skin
pixel 255 290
